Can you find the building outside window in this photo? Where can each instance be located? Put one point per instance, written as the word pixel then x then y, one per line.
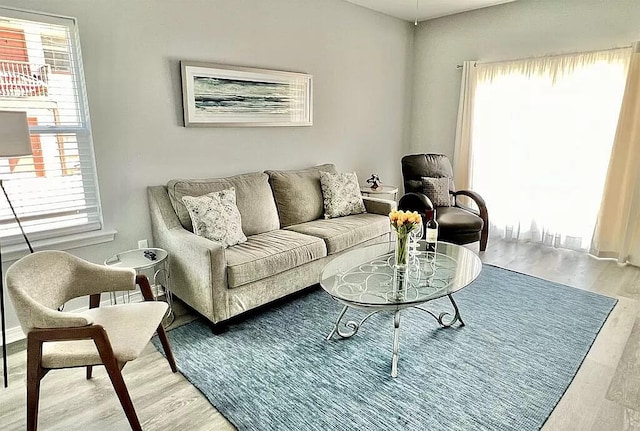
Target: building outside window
pixel 56 53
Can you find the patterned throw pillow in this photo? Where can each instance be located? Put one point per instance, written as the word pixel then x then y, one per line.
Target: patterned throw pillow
pixel 215 216
pixel 341 194
pixel 437 190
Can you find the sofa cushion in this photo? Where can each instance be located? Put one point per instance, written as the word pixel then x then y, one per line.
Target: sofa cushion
pixel 298 194
pixel 341 194
pixel 456 219
pixel 253 198
pixel 215 216
pixel 270 253
pixel 344 232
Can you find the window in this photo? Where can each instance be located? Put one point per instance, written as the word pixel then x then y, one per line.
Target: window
pixel 55 190
pixel 542 134
pixel 56 53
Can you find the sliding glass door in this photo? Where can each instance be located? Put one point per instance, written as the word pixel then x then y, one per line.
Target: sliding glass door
pixel 540 142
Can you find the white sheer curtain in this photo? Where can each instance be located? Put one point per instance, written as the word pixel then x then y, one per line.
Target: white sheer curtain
pixel 617 232
pixel 464 127
pixel 541 136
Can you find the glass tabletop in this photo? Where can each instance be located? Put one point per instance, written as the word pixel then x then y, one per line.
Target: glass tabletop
pixel 139 258
pixel 366 276
pixel 379 190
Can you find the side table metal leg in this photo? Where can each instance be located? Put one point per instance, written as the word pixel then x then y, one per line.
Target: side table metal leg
pixel 166 289
pixel 396 344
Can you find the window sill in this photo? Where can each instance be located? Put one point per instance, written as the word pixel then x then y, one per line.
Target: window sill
pixel 14 252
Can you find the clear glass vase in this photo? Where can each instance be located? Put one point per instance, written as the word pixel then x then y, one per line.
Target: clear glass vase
pixel 402 250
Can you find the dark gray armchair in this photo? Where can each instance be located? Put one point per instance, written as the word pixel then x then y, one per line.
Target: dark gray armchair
pixel 458 223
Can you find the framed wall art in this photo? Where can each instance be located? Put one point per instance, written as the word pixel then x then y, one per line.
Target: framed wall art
pixel 233 96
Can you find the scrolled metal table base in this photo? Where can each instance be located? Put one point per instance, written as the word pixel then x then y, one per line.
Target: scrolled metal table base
pixel 441 317
pixel 354 326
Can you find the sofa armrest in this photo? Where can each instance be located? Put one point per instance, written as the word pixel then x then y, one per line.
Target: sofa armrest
pixel 378 206
pixel 198 272
pixel 198 265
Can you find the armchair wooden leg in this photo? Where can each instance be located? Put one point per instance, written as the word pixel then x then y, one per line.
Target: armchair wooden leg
pixel 89 371
pixel 162 335
pixel 34 375
pixel 484 236
pixel 113 369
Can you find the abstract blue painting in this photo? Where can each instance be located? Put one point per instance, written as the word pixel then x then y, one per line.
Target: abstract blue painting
pixel 216 95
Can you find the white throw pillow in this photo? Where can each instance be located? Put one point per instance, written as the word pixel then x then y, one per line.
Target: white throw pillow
pixel 341 194
pixel 215 216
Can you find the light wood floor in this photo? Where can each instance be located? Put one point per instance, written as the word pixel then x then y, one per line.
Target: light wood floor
pixel 604 396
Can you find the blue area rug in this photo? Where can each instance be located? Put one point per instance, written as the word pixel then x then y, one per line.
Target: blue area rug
pixel 523 342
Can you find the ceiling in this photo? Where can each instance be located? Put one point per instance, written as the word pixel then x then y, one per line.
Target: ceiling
pixel 427 9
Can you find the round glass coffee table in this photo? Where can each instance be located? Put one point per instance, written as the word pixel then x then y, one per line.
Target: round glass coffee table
pixel 366 279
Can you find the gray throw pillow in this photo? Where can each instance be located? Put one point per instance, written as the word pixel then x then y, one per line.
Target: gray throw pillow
pixel 215 216
pixel 298 194
pixel 341 194
pixel 437 190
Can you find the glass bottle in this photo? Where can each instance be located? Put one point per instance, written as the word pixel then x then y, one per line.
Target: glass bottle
pixel 431 231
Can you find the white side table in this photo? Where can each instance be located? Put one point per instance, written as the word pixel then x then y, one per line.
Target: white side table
pixel 382 190
pixel 141 259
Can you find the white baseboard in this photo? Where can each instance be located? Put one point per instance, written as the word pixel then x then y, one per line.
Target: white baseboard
pixel 15 334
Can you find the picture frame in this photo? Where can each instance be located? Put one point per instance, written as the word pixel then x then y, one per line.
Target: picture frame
pixel 215 95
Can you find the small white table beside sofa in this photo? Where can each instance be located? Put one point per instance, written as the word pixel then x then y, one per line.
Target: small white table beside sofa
pixel 380 191
pixel 141 259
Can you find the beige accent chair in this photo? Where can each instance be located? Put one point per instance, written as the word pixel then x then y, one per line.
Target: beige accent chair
pixel 40 283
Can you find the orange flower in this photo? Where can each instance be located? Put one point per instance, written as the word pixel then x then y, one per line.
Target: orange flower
pixel 403 222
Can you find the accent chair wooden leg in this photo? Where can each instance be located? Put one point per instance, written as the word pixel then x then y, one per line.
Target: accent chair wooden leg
pixel 34 375
pixel 162 335
pixel 123 395
pixel 145 288
pixel 89 371
pixel 113 369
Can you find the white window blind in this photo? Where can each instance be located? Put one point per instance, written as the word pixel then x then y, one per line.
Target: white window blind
pixel 55 190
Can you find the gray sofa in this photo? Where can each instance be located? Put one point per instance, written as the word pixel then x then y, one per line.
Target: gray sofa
pixel 288 240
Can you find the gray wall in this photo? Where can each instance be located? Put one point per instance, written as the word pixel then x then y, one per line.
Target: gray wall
pixel 525 28
pixel 360 61
pixel 364 65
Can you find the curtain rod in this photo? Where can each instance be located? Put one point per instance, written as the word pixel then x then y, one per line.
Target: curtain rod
pixel 459 66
